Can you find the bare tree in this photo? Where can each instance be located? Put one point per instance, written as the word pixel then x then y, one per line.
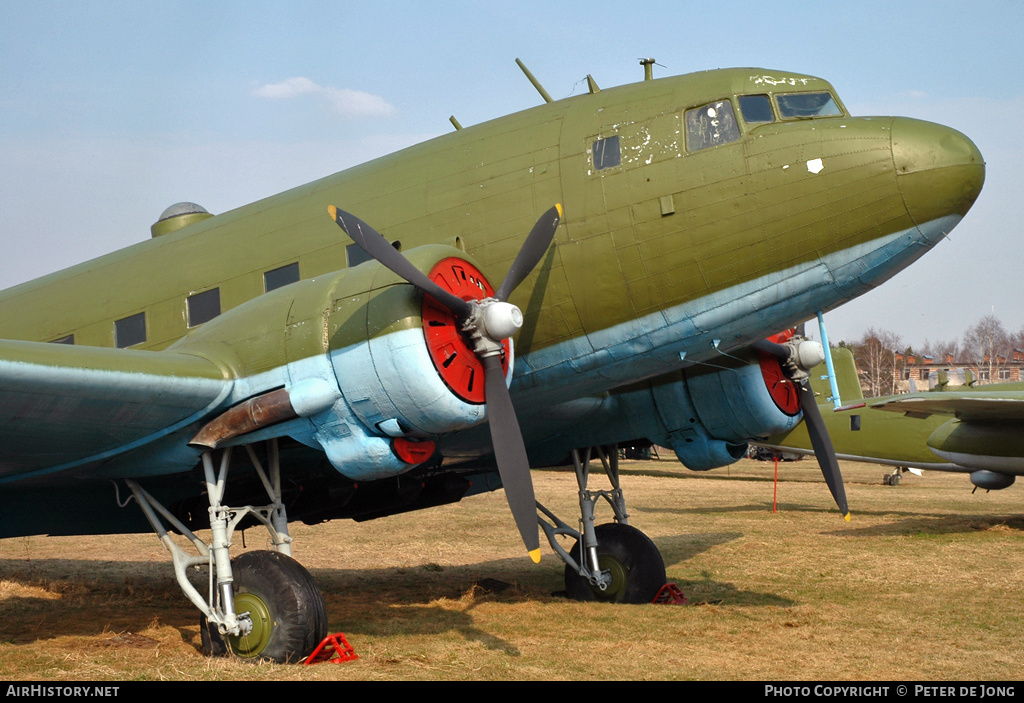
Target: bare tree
pixel 988 346
pixel 875 355
pixel 942 349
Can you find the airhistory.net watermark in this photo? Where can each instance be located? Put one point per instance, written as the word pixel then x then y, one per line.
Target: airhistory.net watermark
pixel 50 691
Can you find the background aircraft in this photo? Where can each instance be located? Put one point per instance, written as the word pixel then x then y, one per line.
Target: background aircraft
pixel 698 213
pixel 964 429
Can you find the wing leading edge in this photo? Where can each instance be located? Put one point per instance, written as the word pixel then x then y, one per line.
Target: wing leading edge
pixel 994 405
pixel 63 407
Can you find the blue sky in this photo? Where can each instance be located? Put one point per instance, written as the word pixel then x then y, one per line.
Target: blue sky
pixel 111 111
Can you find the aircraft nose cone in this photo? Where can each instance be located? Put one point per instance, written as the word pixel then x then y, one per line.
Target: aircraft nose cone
pixel 939 170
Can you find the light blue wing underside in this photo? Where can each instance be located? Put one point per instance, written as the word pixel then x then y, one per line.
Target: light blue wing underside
pixel 64 406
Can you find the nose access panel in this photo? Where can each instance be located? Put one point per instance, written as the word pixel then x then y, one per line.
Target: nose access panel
pixel 939 170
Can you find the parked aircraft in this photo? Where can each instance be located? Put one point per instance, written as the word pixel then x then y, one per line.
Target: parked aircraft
pixel 964 429
pixel 697 214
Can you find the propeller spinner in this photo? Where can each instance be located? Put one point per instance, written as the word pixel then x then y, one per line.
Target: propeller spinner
pixel 485 324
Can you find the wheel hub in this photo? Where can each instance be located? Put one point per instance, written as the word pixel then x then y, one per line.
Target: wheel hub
pixel 616 577
pixel 256 640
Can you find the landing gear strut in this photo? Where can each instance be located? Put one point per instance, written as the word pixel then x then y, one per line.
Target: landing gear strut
pixel 894 478
pixel 263 605
pixel 611 562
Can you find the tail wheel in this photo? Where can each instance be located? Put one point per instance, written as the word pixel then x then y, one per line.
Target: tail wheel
pixel 636 567
pixel 289 618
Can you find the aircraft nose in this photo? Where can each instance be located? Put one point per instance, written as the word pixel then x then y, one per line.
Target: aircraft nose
pixel 939 170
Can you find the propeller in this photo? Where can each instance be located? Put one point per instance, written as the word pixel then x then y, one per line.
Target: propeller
pixel 486 324
pixel 796 357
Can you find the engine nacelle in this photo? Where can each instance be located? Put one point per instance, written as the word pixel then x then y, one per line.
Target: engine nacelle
pixel 408 371
pixel 372 364
pixel 711 413
pixel 994 446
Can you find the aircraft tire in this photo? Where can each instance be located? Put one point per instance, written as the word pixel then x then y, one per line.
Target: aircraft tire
pixel 638 571
pixel 211 641
pixel 285 604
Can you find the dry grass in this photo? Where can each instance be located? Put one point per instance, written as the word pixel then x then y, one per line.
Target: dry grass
pixel 925 583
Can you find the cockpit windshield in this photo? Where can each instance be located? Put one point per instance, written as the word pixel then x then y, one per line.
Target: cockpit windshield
pixel 807 105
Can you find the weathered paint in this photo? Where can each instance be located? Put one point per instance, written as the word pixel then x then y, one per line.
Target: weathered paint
pixel 629 290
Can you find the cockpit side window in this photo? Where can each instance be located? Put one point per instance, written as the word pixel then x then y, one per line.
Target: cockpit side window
pixel 710 125
pixel 756 108
pixel 807 105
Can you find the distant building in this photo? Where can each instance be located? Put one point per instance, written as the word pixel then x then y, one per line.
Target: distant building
pixel 919 372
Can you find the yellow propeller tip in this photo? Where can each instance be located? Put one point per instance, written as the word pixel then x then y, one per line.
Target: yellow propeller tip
pixel 535 555
pixel 846 517
pixel 333 212
pixel 559 207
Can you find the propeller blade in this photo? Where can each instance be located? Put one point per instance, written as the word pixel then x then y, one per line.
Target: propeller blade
pixel 822 445
pixel 510 453
pixel 506 437
pixel 773 348
pixel 533 250
pixel 374 244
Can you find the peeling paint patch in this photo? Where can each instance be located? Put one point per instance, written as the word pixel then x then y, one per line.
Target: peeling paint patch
pixel 815 165
pixel 784 80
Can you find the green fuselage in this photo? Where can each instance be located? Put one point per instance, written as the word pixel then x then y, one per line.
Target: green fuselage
pixel 701 213
pixel 667 225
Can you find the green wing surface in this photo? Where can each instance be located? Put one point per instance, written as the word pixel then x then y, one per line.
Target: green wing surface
pixel 64 406
pixel 976 406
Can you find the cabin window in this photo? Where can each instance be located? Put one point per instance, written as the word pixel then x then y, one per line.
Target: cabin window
pixel 807 105
pixel 203 307
pixel 280 277
pixel 355 255
pixel 607 152
pixel 130 331
pixel 710 125
pixel 756 108
pixel 69 339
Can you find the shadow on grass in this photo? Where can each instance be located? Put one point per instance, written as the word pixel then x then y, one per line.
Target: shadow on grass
pixel 759 507
pixel 717 593
pixel 931 524
pixel 70 597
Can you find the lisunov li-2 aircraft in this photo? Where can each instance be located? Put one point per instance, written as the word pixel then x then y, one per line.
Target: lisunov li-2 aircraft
pixel 340 350
pixel 969 429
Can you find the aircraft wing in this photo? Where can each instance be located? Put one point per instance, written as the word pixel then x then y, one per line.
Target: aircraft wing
pixel 984 406
pixel 64 406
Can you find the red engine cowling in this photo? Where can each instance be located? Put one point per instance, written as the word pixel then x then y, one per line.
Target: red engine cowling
pixel 412 372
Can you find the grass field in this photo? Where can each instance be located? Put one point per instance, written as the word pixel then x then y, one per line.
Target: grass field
pixel 924 583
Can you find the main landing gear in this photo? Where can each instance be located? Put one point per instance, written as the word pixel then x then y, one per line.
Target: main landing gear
pixel 612 562
pixel 894 478
pixel 263 605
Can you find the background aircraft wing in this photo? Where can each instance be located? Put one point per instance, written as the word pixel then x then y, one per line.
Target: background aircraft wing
pixel 987 406
pixel 64 406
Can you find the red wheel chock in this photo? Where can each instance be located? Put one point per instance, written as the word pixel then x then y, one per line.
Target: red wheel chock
pixel 669 594
pixel 334 649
